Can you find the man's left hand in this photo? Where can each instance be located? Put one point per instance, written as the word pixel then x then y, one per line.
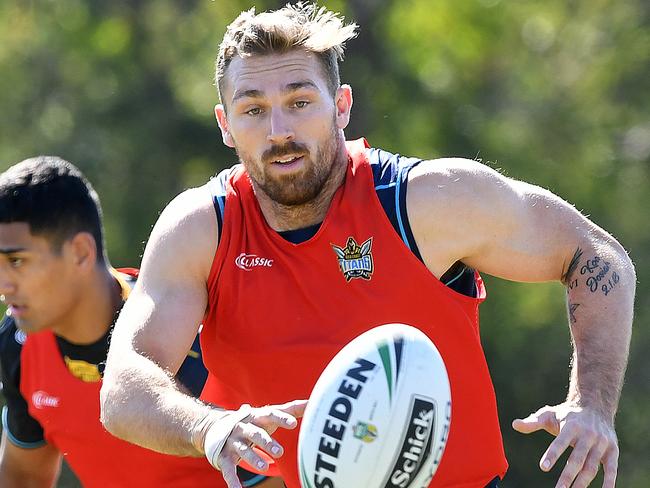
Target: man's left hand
pixel 591 435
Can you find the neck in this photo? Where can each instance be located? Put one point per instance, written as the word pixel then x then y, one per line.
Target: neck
pixel 289 217
pixel 99 299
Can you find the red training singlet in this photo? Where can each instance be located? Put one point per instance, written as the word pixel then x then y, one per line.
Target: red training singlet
pixel 68 410
pixel 278 313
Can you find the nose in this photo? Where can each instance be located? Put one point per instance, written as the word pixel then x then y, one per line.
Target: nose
pixel 7 285
pixel 281 130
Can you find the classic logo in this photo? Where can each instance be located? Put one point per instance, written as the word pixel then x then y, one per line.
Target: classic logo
pixel 364 432
pixel 249 261
pixel 416 447
pixel 41 400
pixel 355 260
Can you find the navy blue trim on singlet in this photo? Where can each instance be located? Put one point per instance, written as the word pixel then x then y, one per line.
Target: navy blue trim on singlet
pixel 12 438
pixel 494 483
pixel 193 374
pixel 390 174
pixel 22 429
pixel 217 188
pixel 296 236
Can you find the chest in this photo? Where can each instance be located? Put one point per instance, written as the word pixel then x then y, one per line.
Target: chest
pixel 64 405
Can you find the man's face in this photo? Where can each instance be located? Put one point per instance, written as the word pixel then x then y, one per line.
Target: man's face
pixel 34 280
pixel 284 123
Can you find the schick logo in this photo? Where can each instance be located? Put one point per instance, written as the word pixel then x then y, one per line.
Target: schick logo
pixel 249 261
pixel 355 260
pixel 41 400
pixel 416 447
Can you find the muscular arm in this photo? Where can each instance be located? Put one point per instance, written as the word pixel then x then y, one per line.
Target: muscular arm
pixel 28 468
pixel 600 289
pixel 521 232
pixel 156 328
pixel 139 400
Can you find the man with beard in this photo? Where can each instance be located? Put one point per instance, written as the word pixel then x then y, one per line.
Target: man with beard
pixel 259 255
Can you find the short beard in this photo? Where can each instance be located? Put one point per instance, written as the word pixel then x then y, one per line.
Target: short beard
pixel 304 187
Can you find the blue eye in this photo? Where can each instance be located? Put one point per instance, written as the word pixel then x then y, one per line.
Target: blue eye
pixel 301 103
pixel 254 111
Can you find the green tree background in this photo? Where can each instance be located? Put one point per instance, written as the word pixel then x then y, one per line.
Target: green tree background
pixel 554 92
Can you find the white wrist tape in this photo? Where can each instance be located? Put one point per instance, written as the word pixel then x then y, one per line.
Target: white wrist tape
pixel 218 434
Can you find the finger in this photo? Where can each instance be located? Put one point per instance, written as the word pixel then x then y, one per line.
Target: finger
pixel 543 419
pixel 556 449
pixel 271 420
pixel 229 473
pixel 574 465
pixel 246 452
pixel 262 439
pixel 295 408
pixel 610 467
pixel 589 469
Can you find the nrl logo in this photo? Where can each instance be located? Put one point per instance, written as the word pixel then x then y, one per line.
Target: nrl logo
pixel 364 432
pixel 355 260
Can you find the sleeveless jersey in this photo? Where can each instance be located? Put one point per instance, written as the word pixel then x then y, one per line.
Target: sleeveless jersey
pixel 67 409
pixel 278 312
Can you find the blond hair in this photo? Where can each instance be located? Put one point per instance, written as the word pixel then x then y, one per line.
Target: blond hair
pixel 300 26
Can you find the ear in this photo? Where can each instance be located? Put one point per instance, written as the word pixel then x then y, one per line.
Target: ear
pixel 222 120
pixel 82 250
pixel 343 102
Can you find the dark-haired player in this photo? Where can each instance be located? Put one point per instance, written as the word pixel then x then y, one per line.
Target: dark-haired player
pixel 62 298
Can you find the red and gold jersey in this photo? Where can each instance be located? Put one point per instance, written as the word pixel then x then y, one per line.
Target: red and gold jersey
pixel 67 408
pixel 56 400
pixel 279 311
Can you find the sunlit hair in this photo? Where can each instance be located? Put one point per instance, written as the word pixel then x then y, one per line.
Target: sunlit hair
pixel 299 26
pixel 54 198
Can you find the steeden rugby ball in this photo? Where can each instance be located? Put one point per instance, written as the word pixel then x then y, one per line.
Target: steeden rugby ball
pixel 379 415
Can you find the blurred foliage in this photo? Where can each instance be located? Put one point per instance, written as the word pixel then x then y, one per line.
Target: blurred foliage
pixel 553 92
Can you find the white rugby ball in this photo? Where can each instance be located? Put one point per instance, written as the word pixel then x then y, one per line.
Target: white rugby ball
pixel 379 415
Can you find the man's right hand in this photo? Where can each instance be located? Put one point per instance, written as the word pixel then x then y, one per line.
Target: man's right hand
pixel 243 434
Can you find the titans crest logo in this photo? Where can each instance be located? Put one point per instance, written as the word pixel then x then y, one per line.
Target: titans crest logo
pixel 355 260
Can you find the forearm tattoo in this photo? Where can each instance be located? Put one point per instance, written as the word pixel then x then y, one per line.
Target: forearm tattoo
pixel 595 273
pixel 567 277
pixel 572 309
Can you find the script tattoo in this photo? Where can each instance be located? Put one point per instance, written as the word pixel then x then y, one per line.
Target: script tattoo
pixel 598 275
pixel 572 309
pixel 567 277
pixel 611 283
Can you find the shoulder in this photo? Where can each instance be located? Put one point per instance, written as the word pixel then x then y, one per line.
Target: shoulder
pixel 457 187
pixel 388 160
pixel 453 204
pixel 461 190
pixel 218 184
pixel 190 214
pixel 443 177
pixel 189 220
pixel 189 207
pixel 450 176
